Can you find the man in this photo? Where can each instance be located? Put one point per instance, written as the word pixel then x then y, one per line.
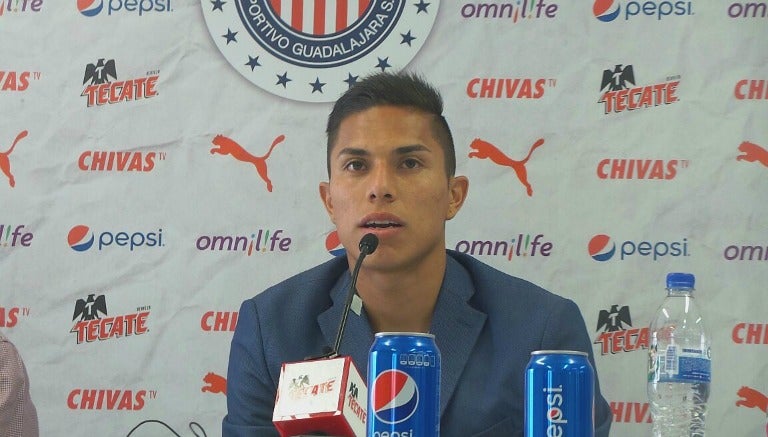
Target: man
pixel 18 417
pixel 391 164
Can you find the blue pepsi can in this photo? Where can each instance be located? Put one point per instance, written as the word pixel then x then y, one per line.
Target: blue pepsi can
pixel 559 395
pixel 403 385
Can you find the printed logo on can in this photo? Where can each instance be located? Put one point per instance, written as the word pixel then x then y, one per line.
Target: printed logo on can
pixel 395 397
pixel 555 416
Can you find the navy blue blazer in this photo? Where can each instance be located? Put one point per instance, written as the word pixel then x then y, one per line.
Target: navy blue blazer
pixel 486 324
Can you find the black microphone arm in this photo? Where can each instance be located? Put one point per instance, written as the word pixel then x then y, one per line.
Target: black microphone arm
pixel 367 245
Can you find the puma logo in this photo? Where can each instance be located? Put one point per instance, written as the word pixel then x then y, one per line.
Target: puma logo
pixel 752 398
pixel 751 152
pixel 484 149
pixel 228 146
pixel 5 163
pixel 215 383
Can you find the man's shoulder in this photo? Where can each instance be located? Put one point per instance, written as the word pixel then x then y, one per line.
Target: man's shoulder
pixel 493 284
pixel 315 281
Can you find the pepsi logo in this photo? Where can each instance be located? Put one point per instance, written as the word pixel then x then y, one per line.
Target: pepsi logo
pixel 601 248
pixel 80 238
pixel 395 396
pixel 90 8
pixel 605 10
pixel 333 244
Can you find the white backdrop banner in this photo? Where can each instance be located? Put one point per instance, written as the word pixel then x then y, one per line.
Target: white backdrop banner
pixel 160 161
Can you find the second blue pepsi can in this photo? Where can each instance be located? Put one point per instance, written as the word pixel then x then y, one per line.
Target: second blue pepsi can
pixel 403 385
pixel 559 395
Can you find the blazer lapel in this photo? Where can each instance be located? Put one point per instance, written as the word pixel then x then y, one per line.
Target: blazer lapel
pixel 357 338
pixel 456 326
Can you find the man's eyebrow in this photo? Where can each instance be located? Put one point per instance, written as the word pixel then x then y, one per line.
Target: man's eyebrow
pixel 353 151
pixel 402 150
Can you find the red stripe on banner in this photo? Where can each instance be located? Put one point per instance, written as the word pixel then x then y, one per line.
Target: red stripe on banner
pixel 319 17
pixel 363 6
pixel 341 15
pixel 297 14
pixel 275 6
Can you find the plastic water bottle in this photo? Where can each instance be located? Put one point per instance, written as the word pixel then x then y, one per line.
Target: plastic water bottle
pixel 679 365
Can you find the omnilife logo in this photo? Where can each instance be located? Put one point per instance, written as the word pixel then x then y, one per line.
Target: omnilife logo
pixel 746 252
pixel 519 10
pixel 522 245
pixel 609 10
pixel 20 6
pixel 261 241
pixel 748 10
pixel 602 248
pixel 14 236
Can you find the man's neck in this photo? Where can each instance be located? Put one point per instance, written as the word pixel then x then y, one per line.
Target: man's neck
pixel 403 300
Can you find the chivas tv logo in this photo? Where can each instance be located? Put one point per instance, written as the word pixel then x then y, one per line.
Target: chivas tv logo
pixel 17 80
pixel 9 316
pixel 109 399
pixel 615 337
pixel 120 161
pixel 218 321
pixel 101 90
pixel 95 324
pixel 508 88
pixel 619 96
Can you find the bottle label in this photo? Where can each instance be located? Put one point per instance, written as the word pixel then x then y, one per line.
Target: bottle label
pixel 676 364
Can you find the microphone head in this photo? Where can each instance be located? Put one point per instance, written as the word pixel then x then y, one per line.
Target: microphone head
pixel 368 243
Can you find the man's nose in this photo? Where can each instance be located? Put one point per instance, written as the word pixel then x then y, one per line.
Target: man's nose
pixel 381 184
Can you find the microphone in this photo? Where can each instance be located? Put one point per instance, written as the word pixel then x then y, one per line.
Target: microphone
pixel 368 245
pixel 325 394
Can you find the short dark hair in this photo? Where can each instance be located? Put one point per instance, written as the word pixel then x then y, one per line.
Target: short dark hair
pixel 393 89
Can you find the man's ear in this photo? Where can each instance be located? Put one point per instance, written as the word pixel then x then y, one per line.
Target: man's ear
pixel 458 188
pixel 325 197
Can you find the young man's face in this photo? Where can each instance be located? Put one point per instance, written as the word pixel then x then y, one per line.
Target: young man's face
pixel 388 177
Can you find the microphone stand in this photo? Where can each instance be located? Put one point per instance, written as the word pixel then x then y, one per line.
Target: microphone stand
pixel 368 245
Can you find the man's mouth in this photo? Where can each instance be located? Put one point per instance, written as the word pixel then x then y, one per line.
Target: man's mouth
pixel 381 224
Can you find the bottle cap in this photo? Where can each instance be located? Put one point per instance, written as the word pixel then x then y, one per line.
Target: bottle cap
pixel 680 280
